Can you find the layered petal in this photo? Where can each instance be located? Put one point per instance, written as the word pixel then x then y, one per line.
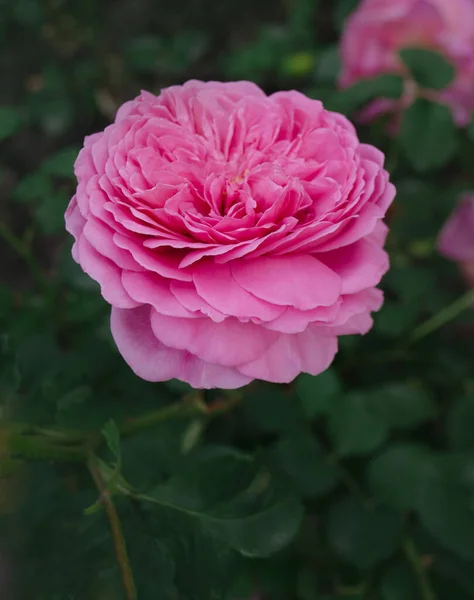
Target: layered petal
pixel 235 234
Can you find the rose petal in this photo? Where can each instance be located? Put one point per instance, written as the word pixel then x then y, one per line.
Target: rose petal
pixel 306 352
pixel 149 288
pixel 218 287
pixel 153 361
pixel 300 281
pixel 229 343
pixel 106 273
pixel 360 265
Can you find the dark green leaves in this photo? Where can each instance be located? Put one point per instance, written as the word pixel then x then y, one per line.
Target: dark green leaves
pixel 398 474
pixel 461 424
pixel 363 536
pixel 383 86
pixel 10 121
pixel 272 408
pixel 401 405
pixel 61 164
pixel 428 135
pixel 360 422
pixel 445 505
pixel 317 393
pixel 111 434
pixel 354 429
pixel 228 496
pixel 428 68
pixel 301 460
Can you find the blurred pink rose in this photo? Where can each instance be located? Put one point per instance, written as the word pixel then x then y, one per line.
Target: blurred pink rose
pixel 235 235
pixel 378 29
pixel 456 239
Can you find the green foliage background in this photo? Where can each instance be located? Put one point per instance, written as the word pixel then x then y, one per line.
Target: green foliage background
pixel 357 484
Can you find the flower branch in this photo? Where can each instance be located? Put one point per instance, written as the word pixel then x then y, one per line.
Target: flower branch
pixel 115 529
pixel 71 445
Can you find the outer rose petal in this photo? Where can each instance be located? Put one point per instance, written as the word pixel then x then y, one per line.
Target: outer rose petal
pixel 106 273
pixel 306 352
pixel 229 343
pixel 360 265
pixel 153 361
pixel 149 288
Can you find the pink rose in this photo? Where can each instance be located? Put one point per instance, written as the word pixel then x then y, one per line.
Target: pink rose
pixel 235 235
pixel 378 29
pixel 456 239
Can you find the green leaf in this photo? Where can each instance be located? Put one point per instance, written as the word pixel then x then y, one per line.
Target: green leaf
pixel 398 583
pixel 178 387
pixel 428 135
pixel 10 121
pixel 461 424
pixel 352 98
pixel 429 69
pixel 412 284
pixel 262 56
pixel 353 428
pixel 33 187
pixel 50 212
pixel 317 393
pixel 396 318
pixel 300 459
pixel 397 474
pixel 62 163
pixel 203 567
pixel 227 494
pixel 272 408
pixel 401 406
pixel 446 505
pixel 111 433
pixel 363 536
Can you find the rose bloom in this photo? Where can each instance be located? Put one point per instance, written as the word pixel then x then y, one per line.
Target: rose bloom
pixel 378 29
pixel 456 239
pixel 235 234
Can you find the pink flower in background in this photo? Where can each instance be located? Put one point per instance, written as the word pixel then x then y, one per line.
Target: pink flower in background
pixel 235 234
pixel 378 29
pixel 456 239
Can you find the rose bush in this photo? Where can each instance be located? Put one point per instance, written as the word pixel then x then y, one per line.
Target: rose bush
pixel 235 235
pixel 377 30
pixel 456 239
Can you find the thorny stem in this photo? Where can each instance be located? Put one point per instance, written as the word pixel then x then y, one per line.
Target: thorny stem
pixel 115 529
pixel 419 570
